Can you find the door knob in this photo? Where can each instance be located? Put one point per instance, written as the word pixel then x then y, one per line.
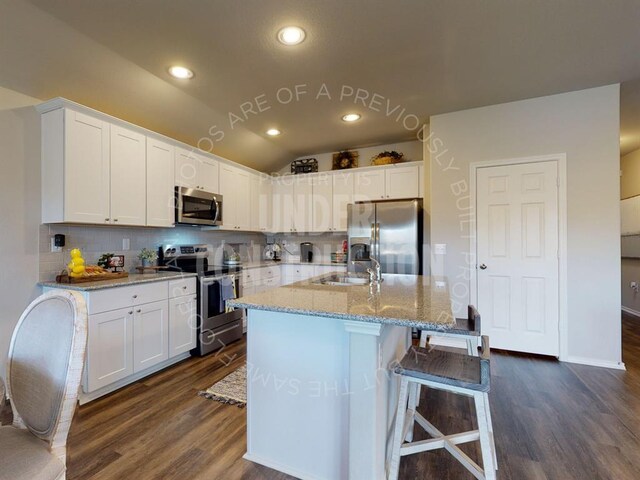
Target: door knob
pixel 483 267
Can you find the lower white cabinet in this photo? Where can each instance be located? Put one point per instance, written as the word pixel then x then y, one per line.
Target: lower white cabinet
pixel 182 324
pixel 150 335
pixel 109 348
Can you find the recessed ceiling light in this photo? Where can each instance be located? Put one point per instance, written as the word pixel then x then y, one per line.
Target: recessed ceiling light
pixel 180 72
pixel 291 35
pixel 273 132
pixel 351 117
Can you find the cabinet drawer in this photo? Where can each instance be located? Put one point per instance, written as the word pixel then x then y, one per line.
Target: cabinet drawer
pixel 123 297
pixel 183 286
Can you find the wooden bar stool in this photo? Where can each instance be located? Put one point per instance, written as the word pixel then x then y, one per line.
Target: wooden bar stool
pixel 452 372
pixel 466 328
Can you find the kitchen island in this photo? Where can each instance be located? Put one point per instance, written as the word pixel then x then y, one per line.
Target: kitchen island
pixel 320 392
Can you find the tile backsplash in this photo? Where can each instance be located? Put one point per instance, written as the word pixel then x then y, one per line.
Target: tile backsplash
pixel 96 240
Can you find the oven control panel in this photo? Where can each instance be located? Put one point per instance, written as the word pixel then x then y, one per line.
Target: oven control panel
pixel 185 250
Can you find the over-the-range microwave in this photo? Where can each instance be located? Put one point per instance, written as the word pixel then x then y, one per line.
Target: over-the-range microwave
pixel 197 207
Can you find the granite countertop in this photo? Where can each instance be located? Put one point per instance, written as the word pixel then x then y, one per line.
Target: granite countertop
pixel 404 300
pixel 271 263
pixel 132 279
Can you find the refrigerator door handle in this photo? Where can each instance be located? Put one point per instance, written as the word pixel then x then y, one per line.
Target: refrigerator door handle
pixel 373 240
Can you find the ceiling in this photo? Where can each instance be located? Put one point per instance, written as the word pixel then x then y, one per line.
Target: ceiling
pixel 419 58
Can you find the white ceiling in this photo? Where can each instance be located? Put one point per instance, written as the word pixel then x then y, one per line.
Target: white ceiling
pixel 424 57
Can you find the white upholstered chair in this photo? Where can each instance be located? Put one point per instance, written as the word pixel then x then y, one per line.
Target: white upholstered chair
pixel 44 368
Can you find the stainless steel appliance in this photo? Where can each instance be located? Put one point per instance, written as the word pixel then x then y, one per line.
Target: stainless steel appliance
pixel 197 207
pixel 306 252
pixel 389 231
pixel 217 325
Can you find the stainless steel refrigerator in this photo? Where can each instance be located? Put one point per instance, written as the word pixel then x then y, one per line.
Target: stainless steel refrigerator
pixel 390 231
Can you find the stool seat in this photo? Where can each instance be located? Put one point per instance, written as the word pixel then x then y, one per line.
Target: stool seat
pixel 450 368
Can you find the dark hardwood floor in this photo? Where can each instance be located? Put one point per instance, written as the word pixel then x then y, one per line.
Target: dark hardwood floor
pixel 552 421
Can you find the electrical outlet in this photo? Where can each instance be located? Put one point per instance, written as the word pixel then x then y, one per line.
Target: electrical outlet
pixel 126 244
pixel 55 249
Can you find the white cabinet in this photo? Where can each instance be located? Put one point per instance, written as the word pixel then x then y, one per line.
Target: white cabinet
pixel 342 196
pixel 282 204
pixel 194 170
pixel 369 185
pixel 402 182
pixel 182 324
pixel 160 183
pixel 128 176
pixel 296 273
pixel 261 205
pixel 302 203
pixel 421 179
pixel 75 168
pixel 235 187
pixel 150 335
pixel 109 348
pixel 322 203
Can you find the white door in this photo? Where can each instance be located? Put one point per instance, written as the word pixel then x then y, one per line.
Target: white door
pixel 342 196
pixel 322 203
pixel 150 335
pixel 402 182
pixel 160 196
pixel 517 256
pixel 86 171
pixel 182 324
pixel 369 185
pixel 128 177
pixel 109 348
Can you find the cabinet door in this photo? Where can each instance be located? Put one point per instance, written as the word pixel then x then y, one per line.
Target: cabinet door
pixel 150 335
pixel 322 203
pixel 186 169
pixel 182 324
pixel 302 207
pixel 86 170
pixel 260 203
pixel 369 185
pixel 109 348
pixel 283 204
pixel 160 194
pixel 227 190
pixel 342 196
pixel 241 196
pixel 207 174
pixel 402 182
pixel 421 179
pixel 128 176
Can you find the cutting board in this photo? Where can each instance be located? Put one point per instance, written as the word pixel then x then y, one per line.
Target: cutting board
pixel 92 278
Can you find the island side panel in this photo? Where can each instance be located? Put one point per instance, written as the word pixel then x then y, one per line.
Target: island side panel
pixel 297 394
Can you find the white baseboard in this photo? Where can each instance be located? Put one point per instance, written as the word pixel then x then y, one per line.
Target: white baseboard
pixel 279 467
pixel 593 362
pixel 631 311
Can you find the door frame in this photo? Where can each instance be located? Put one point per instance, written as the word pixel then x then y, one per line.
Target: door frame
pixel 561 162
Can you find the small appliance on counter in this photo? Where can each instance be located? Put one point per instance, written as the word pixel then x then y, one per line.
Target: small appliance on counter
pixel 306 252
pixel 272 252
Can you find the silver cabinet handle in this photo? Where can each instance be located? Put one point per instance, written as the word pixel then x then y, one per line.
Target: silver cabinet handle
pixel 131 312
pixel 483 267
pixel 106 219
pixel 115 219
pixel 135 296
pixel 184 287
pixel 139 310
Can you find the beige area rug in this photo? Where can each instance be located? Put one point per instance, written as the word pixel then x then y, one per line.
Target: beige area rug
pixel 232 389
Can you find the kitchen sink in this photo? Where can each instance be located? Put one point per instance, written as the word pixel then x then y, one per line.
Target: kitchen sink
pixel 343 280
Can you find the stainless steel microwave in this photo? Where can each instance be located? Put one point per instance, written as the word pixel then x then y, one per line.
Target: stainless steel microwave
pixel 196 207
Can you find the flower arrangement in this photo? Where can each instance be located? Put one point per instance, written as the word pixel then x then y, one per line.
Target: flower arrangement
pixel 147 256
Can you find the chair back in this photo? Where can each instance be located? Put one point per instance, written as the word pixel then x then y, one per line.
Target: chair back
pixel 474 319
pixel 44 369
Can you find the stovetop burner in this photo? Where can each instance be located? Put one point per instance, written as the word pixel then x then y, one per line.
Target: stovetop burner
pixel 193 259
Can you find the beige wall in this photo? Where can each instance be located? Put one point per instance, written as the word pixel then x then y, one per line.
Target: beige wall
pixel 584 125
pixel 630 178
pixel 20 214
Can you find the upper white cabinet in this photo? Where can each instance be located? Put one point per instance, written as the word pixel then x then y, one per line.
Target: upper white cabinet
pixel 302 203
pixel 261 204
pixel 322 203
pixel 160 183
pixel 342 196
pixel 194 170
pixel 235 188
pixel 402 182
pixel 421 180
pixel 282 204
pixel 75 168
pixel 128 176
pixel 369 185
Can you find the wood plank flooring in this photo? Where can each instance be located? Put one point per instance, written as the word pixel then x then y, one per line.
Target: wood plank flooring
pixel 552 421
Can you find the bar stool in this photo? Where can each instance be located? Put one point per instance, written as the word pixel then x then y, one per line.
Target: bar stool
pixel 453 372
pixel 466 328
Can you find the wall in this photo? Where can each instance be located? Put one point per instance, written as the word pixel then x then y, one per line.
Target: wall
pixel 585 126
pixel 412 153
pixel 20 210
pixel 629 187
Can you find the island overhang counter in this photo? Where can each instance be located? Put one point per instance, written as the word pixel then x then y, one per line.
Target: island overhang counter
pixel 321 395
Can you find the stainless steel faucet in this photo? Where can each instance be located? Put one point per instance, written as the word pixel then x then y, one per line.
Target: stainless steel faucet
pixel 374 273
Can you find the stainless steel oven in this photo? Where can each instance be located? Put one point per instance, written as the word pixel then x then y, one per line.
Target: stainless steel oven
pixel 197 207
